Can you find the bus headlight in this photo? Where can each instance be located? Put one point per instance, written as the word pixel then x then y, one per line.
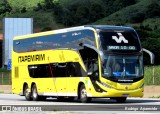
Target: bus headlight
pixel 141 86
pixel 105 85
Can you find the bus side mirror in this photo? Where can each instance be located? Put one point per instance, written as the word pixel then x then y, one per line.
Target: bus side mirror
pixel 150 54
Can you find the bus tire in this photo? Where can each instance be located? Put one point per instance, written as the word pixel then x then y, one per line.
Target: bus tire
pixel 34 93
pixel 83 95
pixel 27 94
pixel 121 99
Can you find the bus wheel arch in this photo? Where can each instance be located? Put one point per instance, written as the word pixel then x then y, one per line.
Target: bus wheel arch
pixel 26 92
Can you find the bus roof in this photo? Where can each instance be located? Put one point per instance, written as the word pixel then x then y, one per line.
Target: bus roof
pixel 110 27
pixel 102 27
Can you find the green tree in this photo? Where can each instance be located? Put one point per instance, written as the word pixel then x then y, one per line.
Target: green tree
pixel 59 12
pixel 137 17
pixel 46 29
pixel 23 10
pixel 153 10
pixel 4 7
pixel 97 12
pixel 82 15
pixel 48 4
pixel 112 6
pixel 153 45
pixel 39 7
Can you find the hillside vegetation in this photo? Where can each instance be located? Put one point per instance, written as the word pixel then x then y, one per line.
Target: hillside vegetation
pixel 143 15
pixel 135 13
pixel 19 4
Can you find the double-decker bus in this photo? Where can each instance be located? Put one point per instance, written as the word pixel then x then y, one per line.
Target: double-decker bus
pixel 91 61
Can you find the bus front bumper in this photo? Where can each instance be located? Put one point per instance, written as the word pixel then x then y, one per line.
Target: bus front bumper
pixel 118 93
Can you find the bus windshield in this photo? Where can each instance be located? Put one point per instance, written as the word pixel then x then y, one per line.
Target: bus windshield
pixel 121 67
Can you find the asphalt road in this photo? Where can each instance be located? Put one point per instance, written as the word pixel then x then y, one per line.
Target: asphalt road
pixel 18 103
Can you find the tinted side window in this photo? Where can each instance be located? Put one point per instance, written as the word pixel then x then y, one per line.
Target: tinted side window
pixel 75 70
pixel 39 71
pixel 53 41
pixel 68 69
pixel 59 69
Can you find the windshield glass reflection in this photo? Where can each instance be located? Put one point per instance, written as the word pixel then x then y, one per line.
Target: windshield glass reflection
pixel 123 66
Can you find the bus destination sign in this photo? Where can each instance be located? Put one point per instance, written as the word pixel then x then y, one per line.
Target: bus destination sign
pixel 121 48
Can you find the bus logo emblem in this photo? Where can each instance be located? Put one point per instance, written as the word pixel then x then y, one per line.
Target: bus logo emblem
pixel 126 87
pixel 120 39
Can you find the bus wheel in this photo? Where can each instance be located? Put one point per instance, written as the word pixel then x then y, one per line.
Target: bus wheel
pixel 83 95
pixel 121 99
pixel 27 94
pixel 34 93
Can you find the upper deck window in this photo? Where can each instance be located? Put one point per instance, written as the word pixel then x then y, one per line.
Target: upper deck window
pixel 54 41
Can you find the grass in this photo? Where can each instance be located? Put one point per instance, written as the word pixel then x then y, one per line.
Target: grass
pixel 155 97
pixel 1 91
pixel 24 3
pixel 5 77
pixel 4 70
pixel 152 75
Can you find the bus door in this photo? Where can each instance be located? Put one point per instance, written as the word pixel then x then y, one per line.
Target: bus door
pixel 59 78
pixel 74 72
